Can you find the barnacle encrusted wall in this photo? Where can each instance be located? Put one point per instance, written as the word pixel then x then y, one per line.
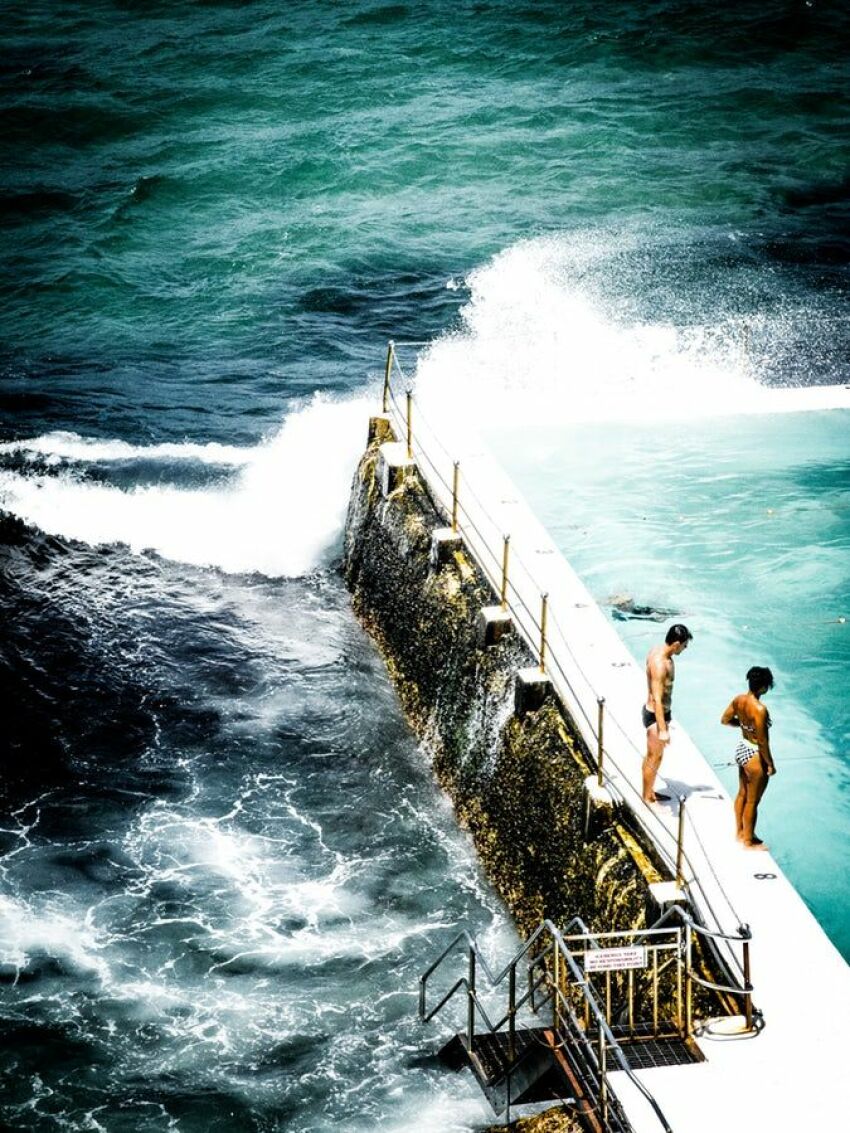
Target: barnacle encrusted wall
pixel 516 785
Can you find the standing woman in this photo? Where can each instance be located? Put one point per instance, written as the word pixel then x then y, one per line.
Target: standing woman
pixel 755 763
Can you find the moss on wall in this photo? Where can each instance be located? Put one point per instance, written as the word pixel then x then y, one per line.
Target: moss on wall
pixel 516 785
pixel 555 1120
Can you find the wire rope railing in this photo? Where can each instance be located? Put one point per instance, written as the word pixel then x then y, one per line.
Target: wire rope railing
pixel 451 498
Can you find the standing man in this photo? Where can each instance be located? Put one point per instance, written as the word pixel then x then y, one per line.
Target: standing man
pixel 660 674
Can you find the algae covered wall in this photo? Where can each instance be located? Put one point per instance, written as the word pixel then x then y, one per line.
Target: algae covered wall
pixel 517 785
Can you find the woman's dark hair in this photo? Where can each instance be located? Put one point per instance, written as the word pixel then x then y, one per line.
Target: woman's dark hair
pixel 759 679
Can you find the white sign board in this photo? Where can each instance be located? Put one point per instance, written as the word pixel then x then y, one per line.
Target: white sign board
pixel 614 959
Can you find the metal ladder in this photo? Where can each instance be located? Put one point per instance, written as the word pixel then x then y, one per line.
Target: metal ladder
pixel 583 1046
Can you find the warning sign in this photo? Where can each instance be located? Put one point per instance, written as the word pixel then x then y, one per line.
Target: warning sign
pixel 614 959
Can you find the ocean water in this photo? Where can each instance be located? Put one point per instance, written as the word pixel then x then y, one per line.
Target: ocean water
pixel 224 860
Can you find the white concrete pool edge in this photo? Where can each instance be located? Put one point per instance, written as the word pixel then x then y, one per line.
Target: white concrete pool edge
pixel 801 983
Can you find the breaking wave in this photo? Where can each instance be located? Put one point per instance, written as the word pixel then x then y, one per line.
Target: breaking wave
pixel 279 515
pixel 541 339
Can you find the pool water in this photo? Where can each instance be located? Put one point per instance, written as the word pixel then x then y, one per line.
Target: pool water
pixel 739 527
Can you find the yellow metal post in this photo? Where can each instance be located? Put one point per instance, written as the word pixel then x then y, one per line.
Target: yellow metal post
pixel 544 606
pixel 504 594
pixel 455 479
pixel 387 372
pixel 600 703
pixel 748 987
pixel 689 983
pixel 680 841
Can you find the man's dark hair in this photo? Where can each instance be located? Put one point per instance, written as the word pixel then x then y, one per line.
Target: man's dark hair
pixel 759 679
pixel 677 633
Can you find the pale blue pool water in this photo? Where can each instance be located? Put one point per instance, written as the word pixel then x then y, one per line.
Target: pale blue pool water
pixel 740 527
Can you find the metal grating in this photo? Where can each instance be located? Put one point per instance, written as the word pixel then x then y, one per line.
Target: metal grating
pixel 644 1051
pixel 492 1050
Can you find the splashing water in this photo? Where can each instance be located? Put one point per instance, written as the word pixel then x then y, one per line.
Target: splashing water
pixel 279 516
pixel 537 342
pixel 542 340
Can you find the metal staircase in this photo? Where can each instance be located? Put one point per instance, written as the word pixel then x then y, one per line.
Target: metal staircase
pixel 580 1006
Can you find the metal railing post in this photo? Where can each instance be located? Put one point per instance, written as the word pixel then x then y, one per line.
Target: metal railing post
pixel 385 403
pixel 748 987
pixel 600 703
pixel 455 478
pixel 603 1080
pixel 409 425
pixel 470 1004
pixel 680 959
pixel 556 977
pixel 504 595
pixel 544 606
pixel 689 984
pixel 680 842
pixel 512 1013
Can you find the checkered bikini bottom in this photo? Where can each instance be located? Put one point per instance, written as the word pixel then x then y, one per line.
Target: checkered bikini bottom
pixel 744 752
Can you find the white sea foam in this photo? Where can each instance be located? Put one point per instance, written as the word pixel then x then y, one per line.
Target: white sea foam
pixel 441 1111
pixel 60 445
pixel 537 345
pixel 27 935
pixel 280 516
pixel 257 892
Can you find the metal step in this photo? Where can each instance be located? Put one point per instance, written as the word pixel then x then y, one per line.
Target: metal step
pixel 532 1076
pixel 644 1050
pixel 543 1069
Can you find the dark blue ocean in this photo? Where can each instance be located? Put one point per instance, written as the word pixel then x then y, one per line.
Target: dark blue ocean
pixel 223 857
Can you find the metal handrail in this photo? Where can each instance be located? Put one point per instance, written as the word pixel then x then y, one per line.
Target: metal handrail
pixel 472 945
pixel 743 937
pixel 593 1062
pixel 602 1024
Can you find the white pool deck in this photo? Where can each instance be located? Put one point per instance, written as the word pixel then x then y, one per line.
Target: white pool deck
pixel 792 1074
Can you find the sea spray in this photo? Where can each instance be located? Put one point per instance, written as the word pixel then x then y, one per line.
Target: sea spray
pixel 543 338
pixel 279 515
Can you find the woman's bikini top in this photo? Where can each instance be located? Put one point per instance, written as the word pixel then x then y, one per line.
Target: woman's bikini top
pixel 749 730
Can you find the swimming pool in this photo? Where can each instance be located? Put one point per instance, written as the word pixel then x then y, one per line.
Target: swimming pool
pixel 740 527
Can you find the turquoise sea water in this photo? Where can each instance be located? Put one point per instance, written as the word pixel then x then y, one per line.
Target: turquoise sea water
pixel 224 859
